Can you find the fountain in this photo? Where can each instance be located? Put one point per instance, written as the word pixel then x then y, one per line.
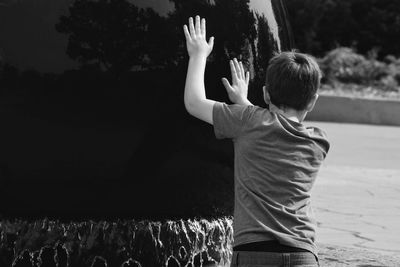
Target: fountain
pixel 158 163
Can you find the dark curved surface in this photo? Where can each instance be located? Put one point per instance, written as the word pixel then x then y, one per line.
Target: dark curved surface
pixel 158 162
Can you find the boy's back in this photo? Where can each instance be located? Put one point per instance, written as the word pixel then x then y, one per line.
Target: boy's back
pixel 276 163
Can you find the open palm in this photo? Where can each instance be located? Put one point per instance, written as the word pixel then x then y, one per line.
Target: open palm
pixel 237 91
pixel 195 35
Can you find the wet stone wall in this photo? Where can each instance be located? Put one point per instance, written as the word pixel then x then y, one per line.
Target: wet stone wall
pixel 120 243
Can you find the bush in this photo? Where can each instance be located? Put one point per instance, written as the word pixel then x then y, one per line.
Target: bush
pixel 393 67
pixel 343 66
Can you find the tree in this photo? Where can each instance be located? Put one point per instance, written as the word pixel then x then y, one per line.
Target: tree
pixel 378 26
pixel 322 25
pixel 114 34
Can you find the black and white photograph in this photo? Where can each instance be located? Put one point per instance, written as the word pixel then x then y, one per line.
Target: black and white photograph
pixel 232 133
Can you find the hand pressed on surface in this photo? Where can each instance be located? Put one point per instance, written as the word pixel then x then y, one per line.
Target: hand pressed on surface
pixel 237 91
pixel 195 35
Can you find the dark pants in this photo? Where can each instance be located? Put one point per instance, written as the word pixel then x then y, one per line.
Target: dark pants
pixel 273 259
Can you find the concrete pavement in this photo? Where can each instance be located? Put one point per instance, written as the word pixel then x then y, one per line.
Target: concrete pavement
pixel 356 198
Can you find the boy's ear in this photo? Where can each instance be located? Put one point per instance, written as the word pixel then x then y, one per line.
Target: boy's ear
pixel 267 98
pixel 311 105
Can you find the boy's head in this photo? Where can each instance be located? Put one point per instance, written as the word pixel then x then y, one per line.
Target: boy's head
pixel 292 81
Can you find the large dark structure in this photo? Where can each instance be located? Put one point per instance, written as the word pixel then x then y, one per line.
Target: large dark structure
pixel 108 136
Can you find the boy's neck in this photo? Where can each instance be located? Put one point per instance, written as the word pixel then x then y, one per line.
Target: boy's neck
pixel 291 114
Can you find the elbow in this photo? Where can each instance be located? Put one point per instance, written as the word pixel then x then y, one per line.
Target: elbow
pixel 190 107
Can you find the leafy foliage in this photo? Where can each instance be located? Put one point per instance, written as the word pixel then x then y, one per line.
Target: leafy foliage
pixel 322 25
pixel 116 35
pixel 343 66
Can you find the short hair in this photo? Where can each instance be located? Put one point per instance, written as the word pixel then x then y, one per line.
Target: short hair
pixel 292 80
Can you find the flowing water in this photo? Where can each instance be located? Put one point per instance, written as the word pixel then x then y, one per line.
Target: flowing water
pixel 123 243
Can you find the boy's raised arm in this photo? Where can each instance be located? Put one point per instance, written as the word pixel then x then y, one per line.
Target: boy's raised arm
pixel 198 49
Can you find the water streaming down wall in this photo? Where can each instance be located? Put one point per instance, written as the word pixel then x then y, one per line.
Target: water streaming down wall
pixel 121 243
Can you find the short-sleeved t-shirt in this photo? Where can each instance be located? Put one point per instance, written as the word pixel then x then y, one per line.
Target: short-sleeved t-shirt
pixel 276 163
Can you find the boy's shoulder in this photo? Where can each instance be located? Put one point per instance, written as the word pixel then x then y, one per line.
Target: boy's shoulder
pixel 254 122
pixel 320 137
pixel 279 127
pixel 316 131
pixel 233 120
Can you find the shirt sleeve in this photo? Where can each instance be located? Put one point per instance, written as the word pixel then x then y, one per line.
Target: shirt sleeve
pixel 230 120
pixel 321 138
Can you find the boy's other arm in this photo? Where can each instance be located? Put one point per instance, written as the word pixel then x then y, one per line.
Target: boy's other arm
pixel 195 99
pixel 237 91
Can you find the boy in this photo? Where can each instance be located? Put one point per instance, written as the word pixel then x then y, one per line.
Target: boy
pixel 276 157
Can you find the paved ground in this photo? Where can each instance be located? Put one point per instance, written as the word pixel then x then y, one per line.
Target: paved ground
pixel 357 195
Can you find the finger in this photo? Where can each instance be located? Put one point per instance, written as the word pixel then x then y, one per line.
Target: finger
pixel 237 67
pixel 191 28
pixel 203 27
pixel 227 85
pixel 197 26
pixel 211 42
pixel 233 72
pixel 186 32
pixel 247 77
pixel 242 69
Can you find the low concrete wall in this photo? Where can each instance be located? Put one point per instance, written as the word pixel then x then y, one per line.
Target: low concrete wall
pixel 356 110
